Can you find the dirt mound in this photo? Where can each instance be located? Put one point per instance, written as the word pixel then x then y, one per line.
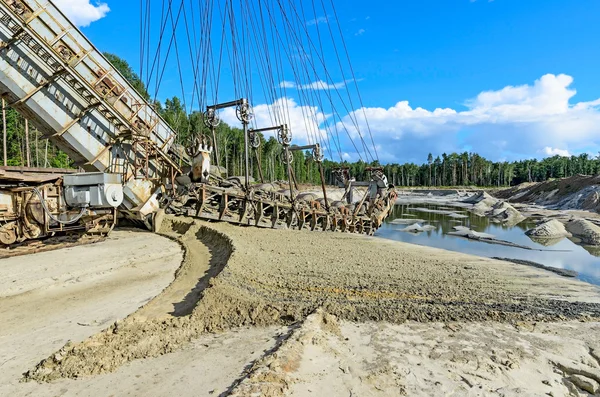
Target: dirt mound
pixel 551 229
pixel 585 230
pixel 577 192
pixel 498 210
pixel 144 334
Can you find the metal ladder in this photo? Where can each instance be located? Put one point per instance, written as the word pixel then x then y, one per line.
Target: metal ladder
pixel 53 75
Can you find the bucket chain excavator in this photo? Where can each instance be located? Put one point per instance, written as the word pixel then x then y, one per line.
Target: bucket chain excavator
pixel 54 76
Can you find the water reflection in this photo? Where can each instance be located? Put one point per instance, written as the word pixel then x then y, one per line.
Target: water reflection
pixel 563 252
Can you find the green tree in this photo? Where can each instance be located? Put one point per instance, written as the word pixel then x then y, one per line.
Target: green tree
pixel 125 69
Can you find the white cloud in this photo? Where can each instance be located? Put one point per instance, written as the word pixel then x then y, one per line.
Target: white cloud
pixel 287 84
pixel 316 85
pixel 323 85
pixel 513 122
pixel 549 151
pixel 360 32
pixel 317 21
pixel 82 12
pixel 303 121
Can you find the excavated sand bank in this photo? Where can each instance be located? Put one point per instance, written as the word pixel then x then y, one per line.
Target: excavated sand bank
pixel 579 192
pixel 268 277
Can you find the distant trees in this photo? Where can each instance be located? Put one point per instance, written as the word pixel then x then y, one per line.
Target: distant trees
pixel 461 169
pixel 26 145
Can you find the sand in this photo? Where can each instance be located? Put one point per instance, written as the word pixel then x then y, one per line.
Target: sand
pixel 586 231
pixel 375 308
pixel 261 279
pixel 417 228
pixel 551 229
pixel 49 298
pixel 578 192
pixel 339 358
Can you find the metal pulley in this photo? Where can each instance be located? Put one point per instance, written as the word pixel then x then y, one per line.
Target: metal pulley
pixel 254 139
pixel 284 135
pixel 318 154
pixel 211 118
pixel 8 234
pixel 244 112
pixel 114 195
pixel 290 156
pixel 198 143
pixel 193 148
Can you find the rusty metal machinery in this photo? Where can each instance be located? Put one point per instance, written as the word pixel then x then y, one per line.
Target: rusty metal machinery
pixel 35 205
pixel 53 76
pixel 272 205
pixel 269 206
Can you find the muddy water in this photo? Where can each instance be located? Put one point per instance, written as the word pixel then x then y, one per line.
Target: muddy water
pixel 562 253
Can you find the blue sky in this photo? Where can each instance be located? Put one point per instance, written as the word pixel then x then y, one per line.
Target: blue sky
pixel 511 78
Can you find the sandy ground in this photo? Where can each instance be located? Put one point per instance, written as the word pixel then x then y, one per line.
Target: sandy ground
pixel 387 319
pixel 50 298
pixel 338 358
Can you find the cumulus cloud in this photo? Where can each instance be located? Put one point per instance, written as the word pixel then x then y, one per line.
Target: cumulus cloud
pixel 287 84
pixel 82 12
pixel 513 122
pixel 550 151
pixel 360 32
pixel 305 122
pixel 318 20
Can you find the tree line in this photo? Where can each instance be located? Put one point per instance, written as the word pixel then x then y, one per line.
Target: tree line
pixel 25 146
pixel 466 169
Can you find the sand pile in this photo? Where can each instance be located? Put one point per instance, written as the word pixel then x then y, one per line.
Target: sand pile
pixel 405 221
pixel 551 229
pixel 481 197
pixel 498 210
pixel 463 231
pixel 418 228
pixel 585 230
pixel 506 213
pixel 592 200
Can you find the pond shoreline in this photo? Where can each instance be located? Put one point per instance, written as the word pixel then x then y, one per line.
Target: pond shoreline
pixel 441 221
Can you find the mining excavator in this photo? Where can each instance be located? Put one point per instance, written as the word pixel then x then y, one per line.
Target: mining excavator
pixel 131 166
